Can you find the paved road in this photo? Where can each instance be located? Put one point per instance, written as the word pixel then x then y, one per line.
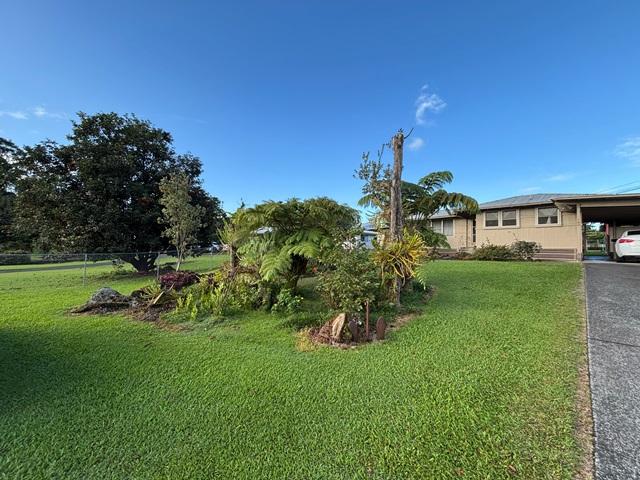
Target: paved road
pixel 613 310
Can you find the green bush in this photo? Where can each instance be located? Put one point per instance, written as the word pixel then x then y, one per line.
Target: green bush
pixel 523 250
pixel 218 297
pixel 287 302
pixel 519 250
pixel 302 320
pixel 488 251
pixel 348 279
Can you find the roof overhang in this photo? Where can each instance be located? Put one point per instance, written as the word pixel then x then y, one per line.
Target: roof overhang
pixel 622 209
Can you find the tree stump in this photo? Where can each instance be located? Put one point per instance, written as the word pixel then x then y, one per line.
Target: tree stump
pixel 381 327
pixel 355 331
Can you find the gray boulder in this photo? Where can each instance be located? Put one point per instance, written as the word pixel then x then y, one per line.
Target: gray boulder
pixel 105 299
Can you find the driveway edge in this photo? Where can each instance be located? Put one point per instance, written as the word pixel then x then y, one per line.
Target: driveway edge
pixel 585 424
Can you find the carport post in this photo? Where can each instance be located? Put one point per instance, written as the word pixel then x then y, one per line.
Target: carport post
pixel 581 234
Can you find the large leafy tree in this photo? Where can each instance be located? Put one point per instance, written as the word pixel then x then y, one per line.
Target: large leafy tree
pixel 8 153
pixel 101 191
pixel 286 235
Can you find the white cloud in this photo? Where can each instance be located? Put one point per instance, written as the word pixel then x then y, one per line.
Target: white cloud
pixel 37 112
pixel 416 144
pixel 42 112
pixel 629 148
pixel 427 102
pixel 18 115
pixel 560 177
pixel 529 189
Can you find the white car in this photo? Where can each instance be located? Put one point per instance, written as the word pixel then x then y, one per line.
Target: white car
pixel 628 245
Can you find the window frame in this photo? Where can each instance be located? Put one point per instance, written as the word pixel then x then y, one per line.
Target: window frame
pixel 484 217
pixel 517 212
pixel 441 222
pixel 547 225
pixel 452 227
pixel 500 219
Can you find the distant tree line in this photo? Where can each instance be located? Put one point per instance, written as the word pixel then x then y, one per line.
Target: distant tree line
pixel 99 192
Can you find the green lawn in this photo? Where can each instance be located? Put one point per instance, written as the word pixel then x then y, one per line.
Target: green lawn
pixel 481 385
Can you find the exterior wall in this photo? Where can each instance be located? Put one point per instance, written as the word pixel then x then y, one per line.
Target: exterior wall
pixel 462 234
pixel 565 235
pixel 619 230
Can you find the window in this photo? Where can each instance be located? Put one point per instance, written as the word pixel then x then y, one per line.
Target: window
pixel 443 226
pixel 447 227
pixel 548 216
pixel 509 218
pixel 473 231
pixel 491 219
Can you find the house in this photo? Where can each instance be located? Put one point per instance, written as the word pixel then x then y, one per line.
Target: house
pixel 553 220
pixel 369 234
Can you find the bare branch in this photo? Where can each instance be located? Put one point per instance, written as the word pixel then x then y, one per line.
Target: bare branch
pixel 408 134
pixel 381 152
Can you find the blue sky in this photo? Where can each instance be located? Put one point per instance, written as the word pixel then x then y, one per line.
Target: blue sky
pixel 280 99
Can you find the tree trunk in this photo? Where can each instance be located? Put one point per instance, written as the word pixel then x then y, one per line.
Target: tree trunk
pixel 142 262
pixel 298 268
pixel 396 223
pixel 396 220
pixel 234 260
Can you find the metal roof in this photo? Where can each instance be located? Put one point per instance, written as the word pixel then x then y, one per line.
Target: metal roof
pixel 539 199
pixel 522 200
pixel 443 214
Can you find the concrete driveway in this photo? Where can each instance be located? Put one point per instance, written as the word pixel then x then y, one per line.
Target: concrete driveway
pixel 613 311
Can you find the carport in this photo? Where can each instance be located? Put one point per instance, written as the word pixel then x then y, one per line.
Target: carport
pixel 618 212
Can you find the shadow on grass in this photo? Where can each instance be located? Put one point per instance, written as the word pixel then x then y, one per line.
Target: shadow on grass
pixel 43 367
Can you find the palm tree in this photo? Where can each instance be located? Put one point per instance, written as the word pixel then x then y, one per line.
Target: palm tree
pixel 420 200
pixel 428 196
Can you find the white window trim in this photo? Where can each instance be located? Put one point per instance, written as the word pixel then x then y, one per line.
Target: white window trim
pixel 517 225
pixel 500 226
pixel 484 220
pixel 453 227
pixel 441 220
pixel 547 225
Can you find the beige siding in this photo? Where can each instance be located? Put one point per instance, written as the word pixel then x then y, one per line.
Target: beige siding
pixel 462 234
pixel 565 235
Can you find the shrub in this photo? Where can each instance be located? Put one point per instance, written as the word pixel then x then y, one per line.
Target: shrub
pixel 178 280
pixel 488 251
pixel 523 250
pixel 203 298
pixel 400 260
pixel 349 278
pixel 519 250
pixel 219 296
pixel 302 320
pixel 287 302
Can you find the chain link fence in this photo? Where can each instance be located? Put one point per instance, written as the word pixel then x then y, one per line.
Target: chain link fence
pixel 105 264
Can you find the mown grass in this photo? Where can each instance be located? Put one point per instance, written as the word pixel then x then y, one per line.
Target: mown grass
pixel 481 385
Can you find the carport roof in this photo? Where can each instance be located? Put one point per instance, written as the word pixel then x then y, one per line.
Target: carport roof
pixel 598 196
